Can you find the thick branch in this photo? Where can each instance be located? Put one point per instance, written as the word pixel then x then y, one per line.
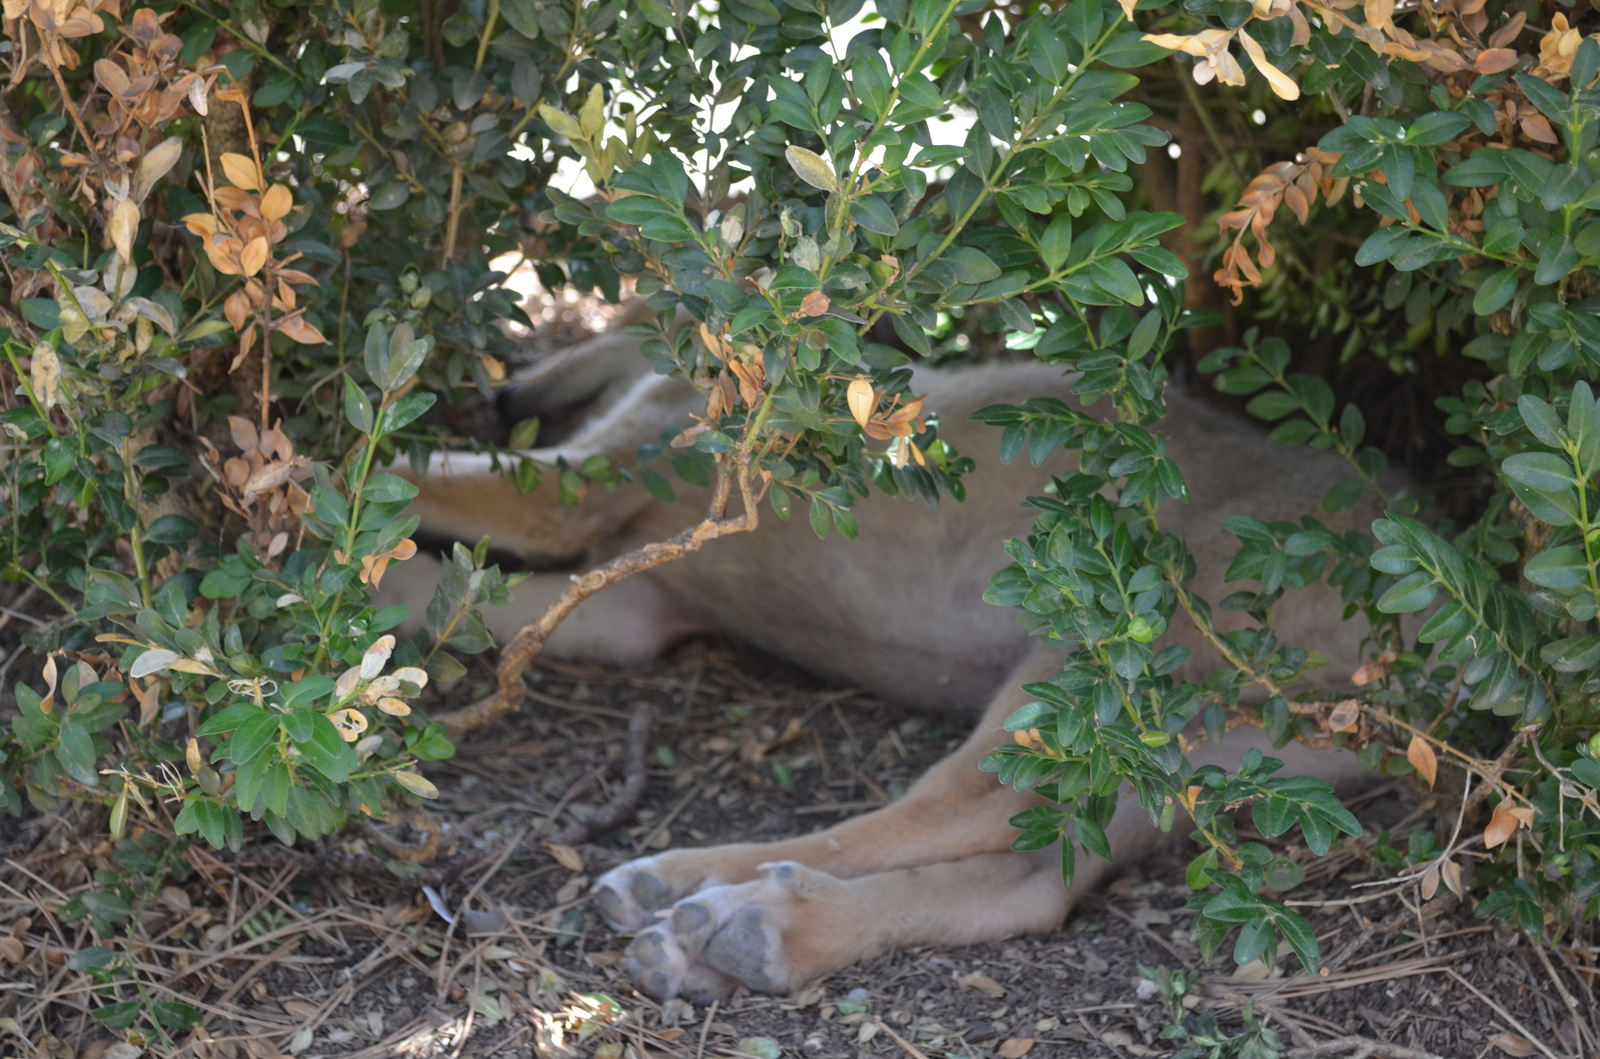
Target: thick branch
pixel 527 644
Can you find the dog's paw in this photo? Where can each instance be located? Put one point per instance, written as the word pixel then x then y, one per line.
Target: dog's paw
pixel 629 896
pixel 726 936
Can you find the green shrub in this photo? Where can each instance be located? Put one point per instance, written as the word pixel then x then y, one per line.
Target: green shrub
pixel 249 247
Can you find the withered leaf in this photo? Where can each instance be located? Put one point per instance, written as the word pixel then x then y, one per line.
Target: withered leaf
pixel 1423 759
pixel 240 171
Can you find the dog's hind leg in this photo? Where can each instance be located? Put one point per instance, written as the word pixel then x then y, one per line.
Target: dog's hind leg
pixel 955 811
pixel 794 924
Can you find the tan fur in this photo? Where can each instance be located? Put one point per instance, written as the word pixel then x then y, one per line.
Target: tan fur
pixel 899 612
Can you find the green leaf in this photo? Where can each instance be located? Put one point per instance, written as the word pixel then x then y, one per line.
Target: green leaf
pixel 1572 655
pixel 1273 815
pixel 1435 127
pixel 1056 243
pixel 1562 568
pixel 873 214
pixel 1542 420
pixel 1558 259
pixel 75 752
pixel 1410 593
pixel 406 410
pixel 1113 275
pixel 252 737
pixel 388 489
pixel 357 407
pixel 1543 471
pixel 118 1016
pixel 228 720
pixel 1246 379
pixel 91 958
pixel 1050 57
pixel 972 266
pixel 1272 405
pixel 1301 938
pixel 1344 495
pixel 1091 836
pixel 1496 292
pixel 325 751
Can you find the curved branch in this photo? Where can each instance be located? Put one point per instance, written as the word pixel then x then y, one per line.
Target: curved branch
pixel 527 644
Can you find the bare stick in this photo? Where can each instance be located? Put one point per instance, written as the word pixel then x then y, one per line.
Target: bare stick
pixel 527 644
pixel 621 807
pixel 1360 1048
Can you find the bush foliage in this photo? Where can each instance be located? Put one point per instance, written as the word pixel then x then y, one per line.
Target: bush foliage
pixel 248 250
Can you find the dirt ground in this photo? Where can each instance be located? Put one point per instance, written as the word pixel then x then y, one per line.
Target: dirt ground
pixel 746 749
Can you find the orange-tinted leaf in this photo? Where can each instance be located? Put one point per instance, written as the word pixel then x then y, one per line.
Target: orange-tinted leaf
pixel 1370 671
pixel 1501 826
pixel 254 255
pixel 861 399
pixel 1430 883
pixel 815 304
pixel 1423 759
pixel 236 308
pixel 1536 127
pixel 277 202
pixel 240 171
pixel 1495 60
pixel 201 224
pixel 297 328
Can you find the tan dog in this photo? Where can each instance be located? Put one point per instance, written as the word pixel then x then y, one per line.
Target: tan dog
pixel 899 612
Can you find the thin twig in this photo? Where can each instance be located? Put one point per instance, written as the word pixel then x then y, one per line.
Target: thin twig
pixel 626 800
pixel 1578 1021
pixel 1503 1013
pixel 705 1030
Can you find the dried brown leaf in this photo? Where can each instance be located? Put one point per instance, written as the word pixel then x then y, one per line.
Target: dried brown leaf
pixel 1014 1047
pixel 1502 825
pixel 1511 1044
pixel 277 202
pixel 240 171
pixel 1423 759
pixel 861 399
pixel 1536 127
pixel 1510 31
pixel 254 255
pixel 124 226
pixel 982 983
pixel 1344 716
pixel 1494 60
pixel 565 856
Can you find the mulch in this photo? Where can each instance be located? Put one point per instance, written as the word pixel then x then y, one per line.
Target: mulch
pixel 278 961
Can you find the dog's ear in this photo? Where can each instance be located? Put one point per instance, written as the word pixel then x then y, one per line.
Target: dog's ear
pixel 570 383
pixel 618 405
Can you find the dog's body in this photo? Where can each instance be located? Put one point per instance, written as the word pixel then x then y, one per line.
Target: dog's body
pixel 899 612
